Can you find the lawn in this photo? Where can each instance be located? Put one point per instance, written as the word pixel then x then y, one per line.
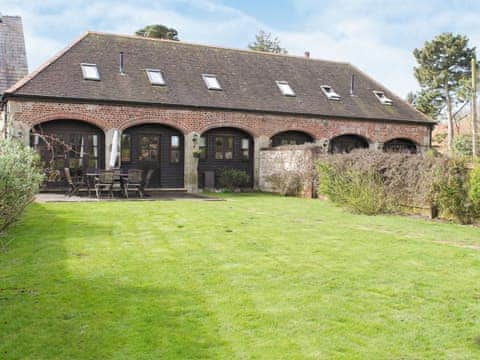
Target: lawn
pixel 254 276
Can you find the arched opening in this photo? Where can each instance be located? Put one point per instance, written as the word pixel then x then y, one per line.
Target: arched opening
pixel 66 143
pixel 224 147
pixel 291 138
pixel 156 149
pixel 400 146
pixel 344 144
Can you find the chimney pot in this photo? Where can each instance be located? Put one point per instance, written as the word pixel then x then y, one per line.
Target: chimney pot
pixel 307 54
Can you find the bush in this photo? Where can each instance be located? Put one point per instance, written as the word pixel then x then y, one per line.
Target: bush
pixel 20 178
pixel 289 183
pixel 360 192
pixel 452 190
pixel 376 182
pixel 475 187
pixel 233 179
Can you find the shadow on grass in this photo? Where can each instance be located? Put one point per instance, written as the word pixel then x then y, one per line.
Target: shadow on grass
pixel 48 312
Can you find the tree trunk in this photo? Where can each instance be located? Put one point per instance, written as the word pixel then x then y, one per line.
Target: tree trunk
pixel 450 132
pixel 474 108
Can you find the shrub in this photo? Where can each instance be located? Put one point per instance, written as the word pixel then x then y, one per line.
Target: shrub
pixel 475 187
pixel 20 178
pixel 375 182
pixel 462 145
pixel 288 183
pixel 233 179
pixel 360 192
pixel 452 190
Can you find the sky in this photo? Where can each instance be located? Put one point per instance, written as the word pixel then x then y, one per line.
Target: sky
pixel 376 36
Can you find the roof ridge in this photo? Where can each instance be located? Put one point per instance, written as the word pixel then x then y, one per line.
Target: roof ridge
pixel 136 37
pixel 21 83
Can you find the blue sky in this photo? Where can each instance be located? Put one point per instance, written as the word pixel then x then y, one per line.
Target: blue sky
pixel 377 36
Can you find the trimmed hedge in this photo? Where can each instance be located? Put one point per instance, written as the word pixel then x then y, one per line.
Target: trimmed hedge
pixel 373 182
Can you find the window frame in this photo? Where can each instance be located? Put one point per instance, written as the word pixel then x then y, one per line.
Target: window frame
pixel 384 100
pixel 330 94
pixel 245 150
pixel 84 66
pixel 152 81
pixel 175 149
pixel 224 148
pixel 281 84
pixel 217 87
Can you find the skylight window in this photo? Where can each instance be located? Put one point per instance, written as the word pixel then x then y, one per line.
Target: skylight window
pixel 383 98
pixel 330 93
pixel 285 88
pixel 155 77
pixel 211 82
pixel 90 72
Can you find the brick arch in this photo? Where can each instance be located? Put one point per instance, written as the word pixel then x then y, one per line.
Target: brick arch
pixel 69 116
pixel 141 121
pixel 405 138
pixel 352 133
pixel 298 129
pixel 242 127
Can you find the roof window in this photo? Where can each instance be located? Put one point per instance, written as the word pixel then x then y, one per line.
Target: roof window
pixel 330 93
pixel 285 88
pixel 155 77
pixel 383 98
pixel 90 72
pixel 211 82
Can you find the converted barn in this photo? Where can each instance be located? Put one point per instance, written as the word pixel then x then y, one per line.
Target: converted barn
pixel 181 111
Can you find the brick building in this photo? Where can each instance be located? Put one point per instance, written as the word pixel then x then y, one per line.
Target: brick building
pixel 184 111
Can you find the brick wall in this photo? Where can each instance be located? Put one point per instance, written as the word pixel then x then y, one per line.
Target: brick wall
pixel 107 116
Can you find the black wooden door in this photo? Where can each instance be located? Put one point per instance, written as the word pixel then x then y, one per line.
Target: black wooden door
pixel 147 155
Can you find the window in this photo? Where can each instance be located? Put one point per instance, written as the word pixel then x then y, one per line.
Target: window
pixel 90 72
pixel 383 98
pixel 285 88
pixel 288 142
pixel 245 148
pixel 149 148
pixel 202 146
pixel 175 149
pixel 211 82
pixel 125 152
pixel 224 147
pixel 329 93
pixel 155 77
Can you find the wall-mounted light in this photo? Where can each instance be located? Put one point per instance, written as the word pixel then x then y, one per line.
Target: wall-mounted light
pixel 195 139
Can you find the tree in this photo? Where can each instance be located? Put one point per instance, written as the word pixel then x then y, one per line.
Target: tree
pixel 266 42
pixel 428 102
pixel 159 32
pixel 444 66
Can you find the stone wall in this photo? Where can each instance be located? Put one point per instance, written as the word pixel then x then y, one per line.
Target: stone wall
pixel 286 160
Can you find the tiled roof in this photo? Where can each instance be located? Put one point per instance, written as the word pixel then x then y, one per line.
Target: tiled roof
pixel 248 79
pixel 13 59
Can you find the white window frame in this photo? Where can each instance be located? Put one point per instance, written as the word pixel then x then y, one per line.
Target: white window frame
pixel 85 74
pixel 285 88
pixel 211 77
pixel 330 94
pixel 380 95
pixel 152 80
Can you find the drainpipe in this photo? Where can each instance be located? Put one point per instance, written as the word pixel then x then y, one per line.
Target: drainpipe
pixel 4 111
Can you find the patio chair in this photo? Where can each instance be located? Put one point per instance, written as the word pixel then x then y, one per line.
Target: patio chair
pixel 134 182
pixel 104 182
pixel 148 178
pixel 75 184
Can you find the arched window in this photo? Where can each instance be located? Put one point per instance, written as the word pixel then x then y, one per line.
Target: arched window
pixel 291 138
pixel 344 144
pixel 400 146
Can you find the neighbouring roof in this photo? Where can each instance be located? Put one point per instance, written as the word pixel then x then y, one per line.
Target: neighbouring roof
pixel 13 58
pixel 248 79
